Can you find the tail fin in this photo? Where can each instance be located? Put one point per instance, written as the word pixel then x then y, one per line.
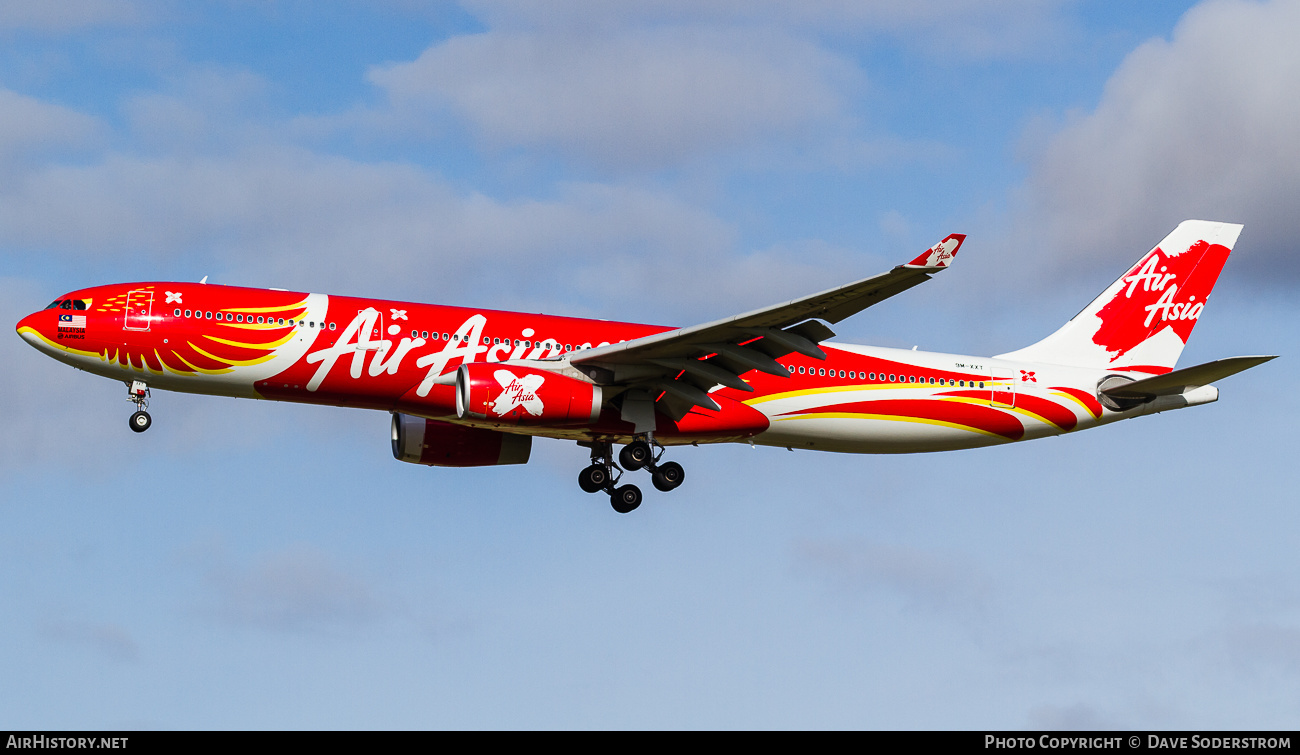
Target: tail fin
pixel 1141 322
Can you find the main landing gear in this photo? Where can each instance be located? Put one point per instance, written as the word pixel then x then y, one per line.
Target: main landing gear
pixel 639 454
pixel 603 474
pixel 138 393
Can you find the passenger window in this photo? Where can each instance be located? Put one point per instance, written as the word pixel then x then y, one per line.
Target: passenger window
pixel 331 326
pixel 207 315
pixel 800 370
pixel 187 313
pixel 177 313
pixel 981 383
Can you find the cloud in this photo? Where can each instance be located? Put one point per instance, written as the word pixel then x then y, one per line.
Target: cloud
pixel 66 15
pixel 643 98
pixel 284 216
pixel 991 29
pixel 298 588
pixel 106 638
pixel 31 128
pixel 1197 126
pixel 632 86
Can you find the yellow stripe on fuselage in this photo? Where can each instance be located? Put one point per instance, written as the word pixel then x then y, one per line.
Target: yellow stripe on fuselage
pixel 892 418
pixel 1076 400
pixel 57 345
pixel 830 389
pixel 233 362
pixel 256 346
pixel 300 305
pixel 169 367
pixel 200 370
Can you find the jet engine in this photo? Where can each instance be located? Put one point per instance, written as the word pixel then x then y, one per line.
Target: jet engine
pixel 441 444
pixel 524 396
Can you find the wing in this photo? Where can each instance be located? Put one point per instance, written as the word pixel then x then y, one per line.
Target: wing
pixel 684 364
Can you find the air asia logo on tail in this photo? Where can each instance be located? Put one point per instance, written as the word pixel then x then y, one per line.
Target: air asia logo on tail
pixel 1164 290
pixel 518 391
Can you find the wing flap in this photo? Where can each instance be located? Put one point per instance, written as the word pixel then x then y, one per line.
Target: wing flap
pixel 680 362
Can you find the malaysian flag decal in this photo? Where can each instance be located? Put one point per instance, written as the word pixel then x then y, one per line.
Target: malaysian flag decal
pixel 67 322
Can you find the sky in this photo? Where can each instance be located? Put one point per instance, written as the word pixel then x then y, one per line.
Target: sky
pixel 249 564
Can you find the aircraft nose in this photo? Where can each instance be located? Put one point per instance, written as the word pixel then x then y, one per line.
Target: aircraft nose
pixel 30 328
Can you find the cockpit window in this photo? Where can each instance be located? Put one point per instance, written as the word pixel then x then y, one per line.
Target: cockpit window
pixel 66 304
pixel 55 304
pixel 78 304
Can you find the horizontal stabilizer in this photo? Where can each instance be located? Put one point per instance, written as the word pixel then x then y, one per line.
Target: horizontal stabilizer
pixel 1180 381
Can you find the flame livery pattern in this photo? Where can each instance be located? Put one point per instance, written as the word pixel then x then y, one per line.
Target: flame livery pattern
pixel 495 374
pixel 213 341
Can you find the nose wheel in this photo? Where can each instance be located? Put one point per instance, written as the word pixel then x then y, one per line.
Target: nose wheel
pixel 138 393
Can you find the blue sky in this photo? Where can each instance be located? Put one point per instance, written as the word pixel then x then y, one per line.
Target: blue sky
pixel 248 564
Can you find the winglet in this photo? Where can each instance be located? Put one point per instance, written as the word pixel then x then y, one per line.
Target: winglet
pixel 940 255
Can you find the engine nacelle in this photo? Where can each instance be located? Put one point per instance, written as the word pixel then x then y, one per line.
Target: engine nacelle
pixel 524 396
pixel 441 444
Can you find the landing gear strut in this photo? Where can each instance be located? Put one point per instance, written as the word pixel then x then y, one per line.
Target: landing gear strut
pixel 138 393
pixel 641 454
pixel 601 476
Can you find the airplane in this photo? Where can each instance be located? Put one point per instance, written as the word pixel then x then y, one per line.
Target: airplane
pixel 472 387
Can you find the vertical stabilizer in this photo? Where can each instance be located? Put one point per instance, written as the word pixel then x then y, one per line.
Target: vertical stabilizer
pixel 1141 322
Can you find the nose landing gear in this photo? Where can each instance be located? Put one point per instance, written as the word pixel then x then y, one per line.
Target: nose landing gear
pixel 138 393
